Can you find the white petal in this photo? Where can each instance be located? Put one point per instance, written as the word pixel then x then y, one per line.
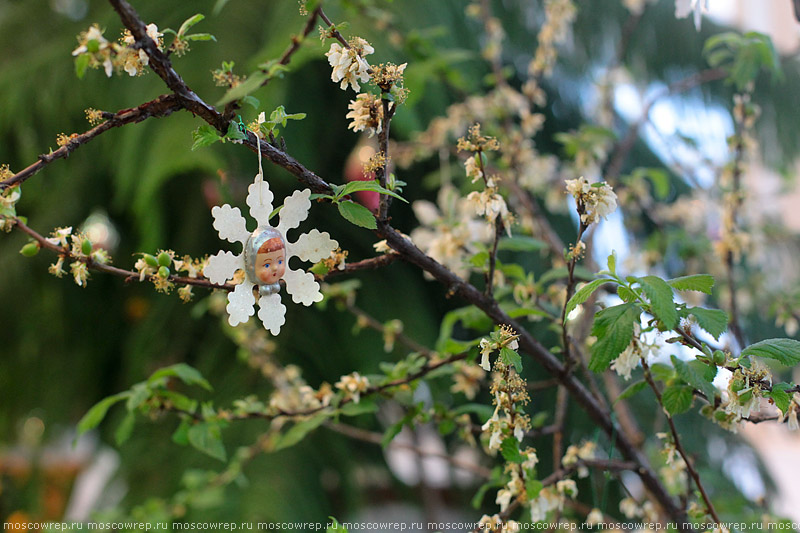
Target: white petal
pixel 230 224
pixel 312 246
pixel 272 312
pixel 241 304
pixel 260 203
pixel 302 286
pixel 295 210
pixel 223 266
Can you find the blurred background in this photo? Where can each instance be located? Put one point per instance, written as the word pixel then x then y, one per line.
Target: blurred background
pixel 141 188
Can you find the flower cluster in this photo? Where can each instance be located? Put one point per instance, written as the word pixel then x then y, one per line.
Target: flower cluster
pixel 575 454
pixel 100 52
pixel 510 395
pixel 550 499
pixel 349 65
pixel 467 379
pixel 630 357
pixel 293 394
pixel 80 249
pixel 491 205
pixel 353 385
pixel 559 15
pixel 366 111
pixel 496 524
pixel 505 337
pixel 594 200
pixel 515 488
pixel 449 232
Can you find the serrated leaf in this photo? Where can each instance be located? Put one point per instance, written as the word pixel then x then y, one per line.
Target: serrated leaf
pixel 785 351
pixel 125 429
pixel 662 302
pixel 677 399
pixel 714 321
pixel 697 282
pixel 95 415
pixel 662 372
pixel 298 431
pixel 182 371
pixel 779 395
pixel 626 295
pixel 205 135
pixel 613 328
pixel 509 449
pixel 631 389
pixel 583 294
pixel 694 376
pixel 510 357
pixel 357 214
pixel 207 437
pixel 521 244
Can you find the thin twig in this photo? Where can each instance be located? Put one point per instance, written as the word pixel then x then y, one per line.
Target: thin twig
pixel 377 438
pixel 158 107
pixel 678 446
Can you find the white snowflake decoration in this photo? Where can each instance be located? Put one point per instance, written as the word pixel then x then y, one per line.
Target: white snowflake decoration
pixel 232 226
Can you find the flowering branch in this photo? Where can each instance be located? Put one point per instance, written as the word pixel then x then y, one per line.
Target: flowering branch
pixel 678 446
pixel 159 107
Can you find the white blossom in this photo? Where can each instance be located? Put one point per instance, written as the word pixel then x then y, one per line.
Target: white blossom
pixel 349 65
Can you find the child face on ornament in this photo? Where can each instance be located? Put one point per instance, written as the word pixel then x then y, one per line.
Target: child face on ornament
pixel 271 261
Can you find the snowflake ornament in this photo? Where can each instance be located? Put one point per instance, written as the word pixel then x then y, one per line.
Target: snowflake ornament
pixel 265 256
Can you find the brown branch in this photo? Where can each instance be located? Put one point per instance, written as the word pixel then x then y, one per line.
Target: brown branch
pixel 678 446
pixel 159 107
pixel 412 254
pixel 372 263
pixel 377 438
pixel 529 345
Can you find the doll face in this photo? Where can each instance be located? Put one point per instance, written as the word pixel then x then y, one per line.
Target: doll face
pixel 270 266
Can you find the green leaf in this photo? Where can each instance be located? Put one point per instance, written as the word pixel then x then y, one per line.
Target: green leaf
pixel 191 21
pixel 251 101
pixel 612 262
pixel 785 351
pixel 95 415
pixel 713 321
pixel 300 430
pixel 207 437
pixel 81 65
pixel 200 37
pixel 677 399
pixel 365 185
pixel 509 448
pixel 360 408
pixel 357 214
pixel 139 394
pixel 393 430
pixel 510 357
pixel 613 328
pixel 521 244
pixel 182 371
pixel 662 372
pixel 181 434
pixel 532 488
pixel 125 429
pixel 626 295
pixel 205 135
pixel 631 389
pixel 697 282
pixel 661 299
pixel 780 396
pixel 234 133
pixel 695 376
pixel 583 294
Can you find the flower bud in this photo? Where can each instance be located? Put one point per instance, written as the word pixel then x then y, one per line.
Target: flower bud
pixel 163 272
pixel 150 260
pixel 164 259
pixel 30 249
pixel 86 247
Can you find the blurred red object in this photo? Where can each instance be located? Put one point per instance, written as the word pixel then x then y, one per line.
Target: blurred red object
pixel 354 171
